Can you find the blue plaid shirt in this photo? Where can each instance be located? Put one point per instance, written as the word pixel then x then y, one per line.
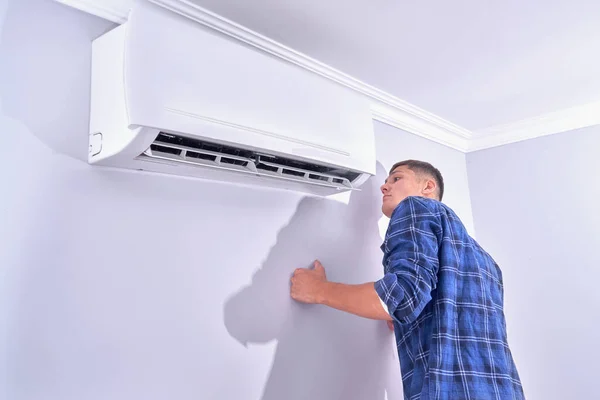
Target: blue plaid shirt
pixel 445 295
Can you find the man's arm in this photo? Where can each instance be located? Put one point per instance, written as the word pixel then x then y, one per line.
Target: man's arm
pixel 406 286
pixel 361 300
pixel 311 286
pixel 412 263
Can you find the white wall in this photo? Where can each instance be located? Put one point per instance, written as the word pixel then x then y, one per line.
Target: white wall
pixel 535 205
pixel 128 286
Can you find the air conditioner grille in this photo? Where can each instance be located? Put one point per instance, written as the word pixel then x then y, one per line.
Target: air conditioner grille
pixel 205 153
pixel 201 145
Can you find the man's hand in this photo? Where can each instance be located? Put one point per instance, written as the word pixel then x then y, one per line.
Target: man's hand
pixel 308 284
pixel 311 286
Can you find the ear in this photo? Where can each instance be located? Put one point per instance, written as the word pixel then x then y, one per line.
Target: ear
pixel 429 188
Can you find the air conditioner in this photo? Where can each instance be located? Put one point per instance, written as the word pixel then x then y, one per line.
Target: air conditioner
pixel 170 95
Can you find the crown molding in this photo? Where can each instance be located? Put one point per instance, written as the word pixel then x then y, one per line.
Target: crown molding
pixel 418 126
pixel 385 107
pixel 112 10
pixel 559 121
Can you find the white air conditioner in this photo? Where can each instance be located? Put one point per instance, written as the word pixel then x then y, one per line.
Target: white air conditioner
pixel 171 96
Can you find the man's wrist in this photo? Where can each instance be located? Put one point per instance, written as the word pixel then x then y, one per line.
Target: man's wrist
pixel 323 297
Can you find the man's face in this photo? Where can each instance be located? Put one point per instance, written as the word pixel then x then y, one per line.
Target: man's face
pixel 400 184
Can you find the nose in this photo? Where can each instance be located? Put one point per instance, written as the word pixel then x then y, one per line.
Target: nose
pixel 384 188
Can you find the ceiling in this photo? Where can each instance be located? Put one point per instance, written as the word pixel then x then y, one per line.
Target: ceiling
pixel 475 63
pixel 481 73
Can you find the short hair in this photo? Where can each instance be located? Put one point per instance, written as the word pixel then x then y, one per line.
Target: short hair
pixel 422 167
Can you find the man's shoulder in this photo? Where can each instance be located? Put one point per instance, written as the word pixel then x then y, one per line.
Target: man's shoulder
pixel 424 208
pixel 417 205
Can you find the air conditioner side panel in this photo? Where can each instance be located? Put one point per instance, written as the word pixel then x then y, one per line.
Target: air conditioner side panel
pixel 111 140
pixel 183 77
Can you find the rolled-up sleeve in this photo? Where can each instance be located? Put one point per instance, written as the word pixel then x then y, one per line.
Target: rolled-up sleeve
pixel 411 260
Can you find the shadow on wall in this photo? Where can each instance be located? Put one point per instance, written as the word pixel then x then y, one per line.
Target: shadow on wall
pixel 321 353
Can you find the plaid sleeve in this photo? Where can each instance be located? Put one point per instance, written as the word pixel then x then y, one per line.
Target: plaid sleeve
pixel 410 260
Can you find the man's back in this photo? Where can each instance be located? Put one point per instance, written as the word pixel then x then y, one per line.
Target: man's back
pixel 447 294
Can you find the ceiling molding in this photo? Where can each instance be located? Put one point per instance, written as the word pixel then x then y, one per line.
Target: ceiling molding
pixel 564 120
pixel 418 126
pixel 385 107
pixel 112 10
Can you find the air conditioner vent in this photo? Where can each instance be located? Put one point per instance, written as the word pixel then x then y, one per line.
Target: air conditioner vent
pixel 201 145
pixel 264 167
pixel 201 156
pixel 164 149
pixel 292 172
pixel 175 148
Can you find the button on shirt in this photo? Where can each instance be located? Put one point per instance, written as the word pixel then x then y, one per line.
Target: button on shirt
pixel 445 294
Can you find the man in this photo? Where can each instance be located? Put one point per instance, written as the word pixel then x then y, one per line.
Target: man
pixel 441 290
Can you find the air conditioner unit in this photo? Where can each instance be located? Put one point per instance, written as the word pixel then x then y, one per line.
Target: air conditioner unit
pixel 170 95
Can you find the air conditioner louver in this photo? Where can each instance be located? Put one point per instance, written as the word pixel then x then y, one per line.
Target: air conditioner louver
pixel 191 151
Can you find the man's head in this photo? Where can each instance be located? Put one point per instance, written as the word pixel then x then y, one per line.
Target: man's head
pixel 411 178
